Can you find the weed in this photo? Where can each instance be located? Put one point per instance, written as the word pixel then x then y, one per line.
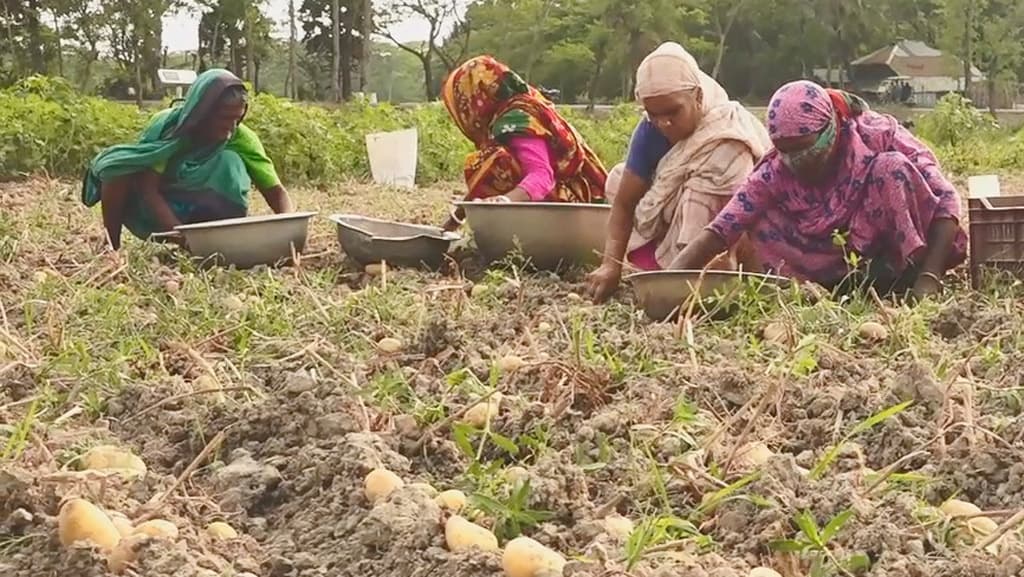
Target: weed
pixel 813 542
pixel 869 423
pixel 512 515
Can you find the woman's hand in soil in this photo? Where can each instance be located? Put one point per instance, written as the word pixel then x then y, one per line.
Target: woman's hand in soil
pixel 602 282
pixel 927 285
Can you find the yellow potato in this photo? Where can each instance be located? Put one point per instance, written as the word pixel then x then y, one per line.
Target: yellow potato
pixel 544 327
pixel 484 411
pixel 462 535
pixel 618 527
pixel 525 557
pixel 375 269
pixel 763 572
pixel 81 521
pixel 208 383
pixel 172 287
pixel 426 488
pixel 983 525
pixel 872 331
pixel 125 553
pixel 380 483
pixel 389 345
pixel 754 454
pixel 958 508
pixel 111 458
pixel 221 531
pixel 157 529
pixel 778 332
pixel 453 500
pixel 123 524
pixel 479 290
pixel 510 363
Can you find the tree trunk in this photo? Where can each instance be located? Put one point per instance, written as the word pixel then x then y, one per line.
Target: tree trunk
pixel 250 47
pixel 598 69
pixel 968 47
pixel 60 46
pixel 365 30
pixel 428 75
pixel 292 39
pixel 37 51
pixel 138 77
pixel 336 60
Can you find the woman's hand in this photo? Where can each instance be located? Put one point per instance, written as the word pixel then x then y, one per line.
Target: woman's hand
pixel 602 283
pixel 927 285
pixel 498 198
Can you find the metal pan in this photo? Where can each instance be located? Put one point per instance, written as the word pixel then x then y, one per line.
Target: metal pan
pixel 371 240
pixel 549 234
pixel 248 241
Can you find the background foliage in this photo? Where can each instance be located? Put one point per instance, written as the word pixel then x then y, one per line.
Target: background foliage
pixel 48 126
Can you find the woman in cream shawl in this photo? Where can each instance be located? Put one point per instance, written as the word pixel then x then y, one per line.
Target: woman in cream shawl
pixel 693 148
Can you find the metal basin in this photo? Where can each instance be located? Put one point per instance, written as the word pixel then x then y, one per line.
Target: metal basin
pixel 549 234
pixel 662 292
pixel 371 240
pixel 248 241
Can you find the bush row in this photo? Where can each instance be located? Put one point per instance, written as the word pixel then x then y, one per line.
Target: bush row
pixel 45 126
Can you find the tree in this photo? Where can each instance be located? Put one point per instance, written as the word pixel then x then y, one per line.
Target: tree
pixel 439 16
pixel 999 43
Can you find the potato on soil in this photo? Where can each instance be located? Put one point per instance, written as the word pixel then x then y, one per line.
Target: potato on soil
pixel 389 345
pixel 510 363
pixel 206 383
pixel 172 287
pixel 122 523
pixel 81 521
pixel 375 269
pixel 112 458
pixel 157 529
pixel 872 331
pixel 763 572
pixel 380 483
pixel 544 327
pixel 479 290
pixel 525 557
pixel 462 535
pixel 452 500
pixel 221 531
pixel 618 527
pixel 484 411
pixel 126 552
pixel 778 332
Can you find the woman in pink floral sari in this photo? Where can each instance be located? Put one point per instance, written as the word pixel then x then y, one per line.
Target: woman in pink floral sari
pixel 844 185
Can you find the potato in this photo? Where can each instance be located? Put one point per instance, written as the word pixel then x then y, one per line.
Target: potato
pixel 157 529
pixel 778 332
pixel 754 454
pixel 208 383
pixel 453 500
pixel 983 525
pixel 380 483
pixel 462 535
pixel 618 527
pixel 389 345
pixel 172 287
pixel 957 508
pixel 544 327
pixel 525 557
pixel 510 363
pixel 115 459
pixel 126 552
pixel 763 572
pixel 221 531
pixel 484 411
pixel 375 269
pixel 122 523
pixel 479 290
pixel 516 475
pixel 81 521
pixel 872 331
pixel 425 488
pixel 233 303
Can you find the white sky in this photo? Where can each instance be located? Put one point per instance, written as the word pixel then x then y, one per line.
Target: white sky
pixel 180 30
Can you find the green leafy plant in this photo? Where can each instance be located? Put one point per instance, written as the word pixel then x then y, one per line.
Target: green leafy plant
pixel 871 422
pixel 512 515
pixel 658 531
pixel 813 542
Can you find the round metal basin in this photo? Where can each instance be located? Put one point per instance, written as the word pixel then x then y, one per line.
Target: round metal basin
pixel 248 241
pixel 371 240
pixel 662 292
pixel 549 234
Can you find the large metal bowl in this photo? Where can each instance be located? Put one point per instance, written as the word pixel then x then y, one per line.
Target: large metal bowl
pixel 371 240
pixel 549 234
pixel 662 292
pixel 248 241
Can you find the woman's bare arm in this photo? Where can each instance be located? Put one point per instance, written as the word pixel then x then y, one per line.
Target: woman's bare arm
pixel 277 198
pixel 699 253
pixel 632 189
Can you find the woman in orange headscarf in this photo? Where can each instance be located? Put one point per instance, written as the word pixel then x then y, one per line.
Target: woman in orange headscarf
pixel 525 151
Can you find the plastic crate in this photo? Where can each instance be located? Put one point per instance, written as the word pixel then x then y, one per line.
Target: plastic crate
pixel 996 226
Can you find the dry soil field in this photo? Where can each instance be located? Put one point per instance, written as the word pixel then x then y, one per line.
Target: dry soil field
pixel 264 398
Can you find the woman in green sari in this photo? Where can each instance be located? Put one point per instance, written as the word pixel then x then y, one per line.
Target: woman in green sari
pixel 194 163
